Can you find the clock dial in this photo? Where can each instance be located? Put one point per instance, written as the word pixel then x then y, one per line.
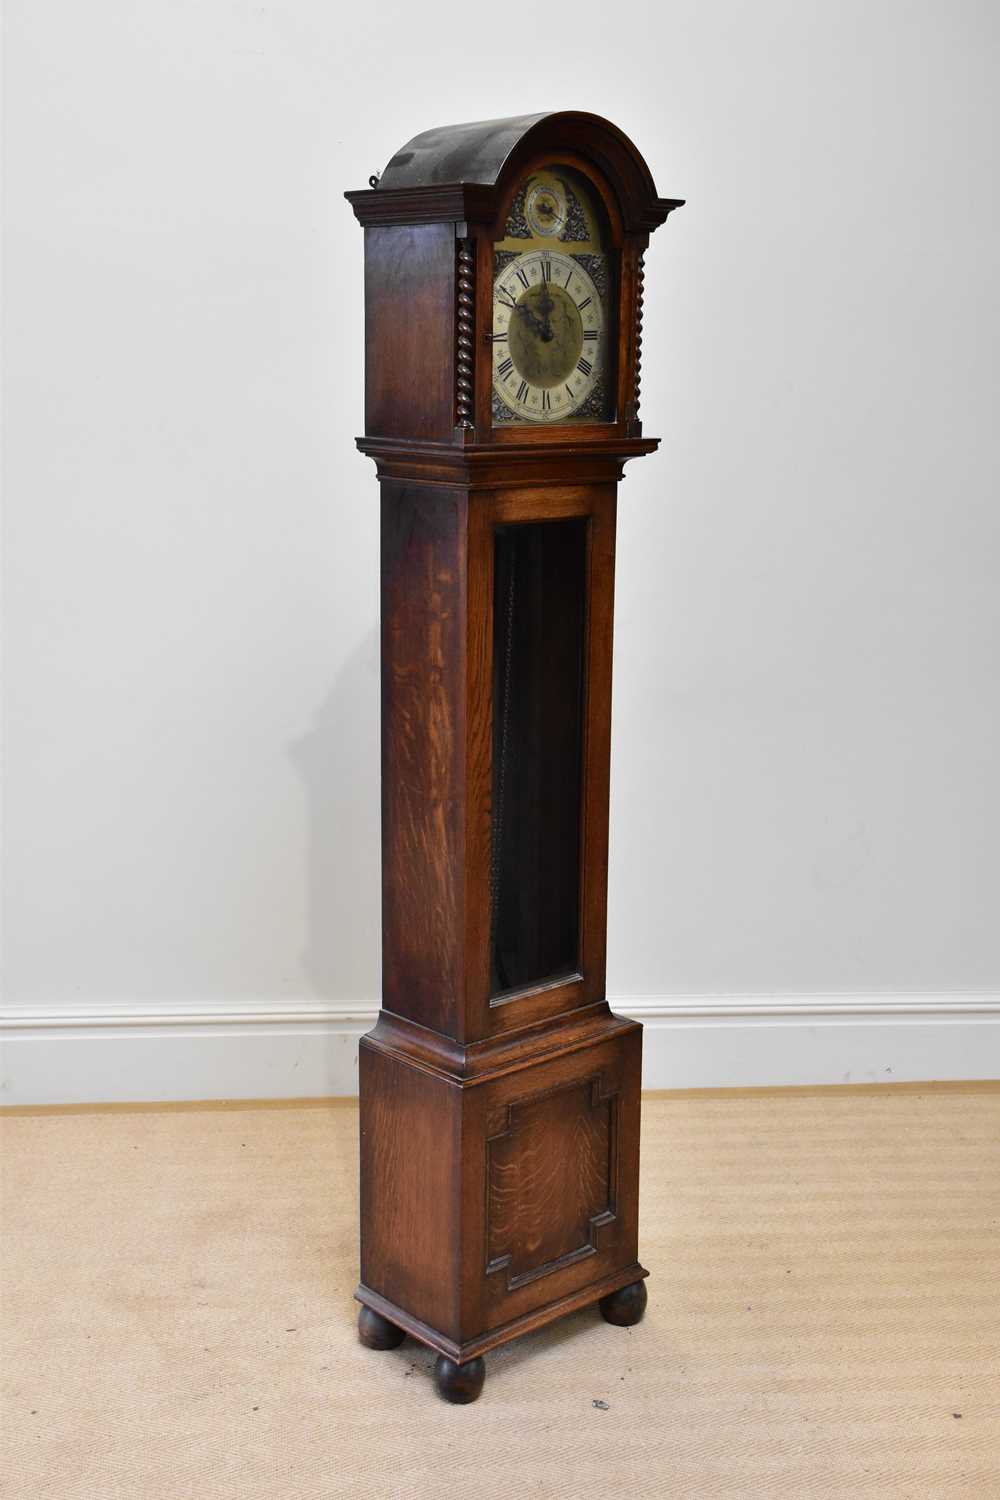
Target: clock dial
pixel 548 335
pixel 553 284
pixel 545 208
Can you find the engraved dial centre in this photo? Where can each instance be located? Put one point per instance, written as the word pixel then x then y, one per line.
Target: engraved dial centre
pixel 546 335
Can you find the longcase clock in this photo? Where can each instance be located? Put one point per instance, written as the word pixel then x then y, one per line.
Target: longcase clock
pixel 499 1093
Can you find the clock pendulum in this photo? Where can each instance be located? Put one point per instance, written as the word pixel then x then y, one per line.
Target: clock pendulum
pixel 499 1093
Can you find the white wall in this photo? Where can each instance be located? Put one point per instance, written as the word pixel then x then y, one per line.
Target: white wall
pixel 806 809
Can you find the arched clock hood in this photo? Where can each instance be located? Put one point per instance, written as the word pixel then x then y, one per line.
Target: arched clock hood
pixel 461 171
pixel 474 152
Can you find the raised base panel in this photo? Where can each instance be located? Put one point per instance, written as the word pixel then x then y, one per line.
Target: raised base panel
pixel 490 1206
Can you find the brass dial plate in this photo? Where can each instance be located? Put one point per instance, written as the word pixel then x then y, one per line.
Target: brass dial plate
pixel 548 335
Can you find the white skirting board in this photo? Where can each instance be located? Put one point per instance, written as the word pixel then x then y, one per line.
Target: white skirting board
pixel 270 1050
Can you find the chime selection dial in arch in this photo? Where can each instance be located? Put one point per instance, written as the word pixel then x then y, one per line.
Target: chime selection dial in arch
pixel 548 336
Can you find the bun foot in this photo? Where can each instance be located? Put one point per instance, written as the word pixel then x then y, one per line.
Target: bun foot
pixel 376 1332
pixel 626 1306
pixel 459 1384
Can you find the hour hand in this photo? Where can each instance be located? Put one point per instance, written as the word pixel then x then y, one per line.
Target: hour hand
pixel 536 323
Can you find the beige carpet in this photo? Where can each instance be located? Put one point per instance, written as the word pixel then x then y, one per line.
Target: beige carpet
pixel 824 1315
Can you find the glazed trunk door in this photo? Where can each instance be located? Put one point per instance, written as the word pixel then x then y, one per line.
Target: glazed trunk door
pixel 541 583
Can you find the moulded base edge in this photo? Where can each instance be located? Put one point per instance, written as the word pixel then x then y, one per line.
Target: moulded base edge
pixel 494 1337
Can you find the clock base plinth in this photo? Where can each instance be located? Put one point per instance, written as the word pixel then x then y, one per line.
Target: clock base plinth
pixel 499 1189
pixel 457 1383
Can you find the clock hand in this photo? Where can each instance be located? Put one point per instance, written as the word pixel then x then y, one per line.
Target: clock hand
pixel 547 305
pixel 529 316
pixel 543 325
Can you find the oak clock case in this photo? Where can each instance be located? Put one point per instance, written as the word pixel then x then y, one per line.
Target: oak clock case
pixel 499 1094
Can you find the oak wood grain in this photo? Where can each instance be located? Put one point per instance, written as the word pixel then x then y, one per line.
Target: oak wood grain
pixel 410 281
pixel 411 1246
pixel 550 1181
pixel 423 725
